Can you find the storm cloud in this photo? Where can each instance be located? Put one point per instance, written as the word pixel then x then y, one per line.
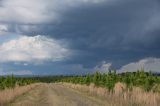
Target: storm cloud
pixel 114 31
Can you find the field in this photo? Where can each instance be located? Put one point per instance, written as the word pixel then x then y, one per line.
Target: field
pixel 109 89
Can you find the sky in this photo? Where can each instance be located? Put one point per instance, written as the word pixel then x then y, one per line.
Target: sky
pixel 63 37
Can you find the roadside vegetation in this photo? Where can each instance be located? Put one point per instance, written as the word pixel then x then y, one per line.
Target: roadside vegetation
pixel 11 82
pixel 11 87
pixel 126 89
pixel 140 78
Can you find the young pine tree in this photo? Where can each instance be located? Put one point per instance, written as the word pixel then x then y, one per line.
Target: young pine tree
pixel 111 79
pixel 96 78
pixel 87 79
pixel 2 84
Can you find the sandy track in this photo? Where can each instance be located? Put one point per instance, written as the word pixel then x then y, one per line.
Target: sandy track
pixel 56 95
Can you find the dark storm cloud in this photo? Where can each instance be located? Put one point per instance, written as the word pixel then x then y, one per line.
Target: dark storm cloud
pixel 117 32
pixel 109 32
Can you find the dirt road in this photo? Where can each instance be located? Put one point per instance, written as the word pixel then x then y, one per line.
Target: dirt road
pixel 56 95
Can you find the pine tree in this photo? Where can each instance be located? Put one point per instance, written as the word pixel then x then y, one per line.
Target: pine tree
pixel 111 79
pixel 2 84
pixel 96 78
pixel 87 79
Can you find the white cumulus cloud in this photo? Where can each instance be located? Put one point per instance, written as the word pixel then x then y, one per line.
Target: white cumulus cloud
pixel 148 64
pixel 35 49
pixel 103 67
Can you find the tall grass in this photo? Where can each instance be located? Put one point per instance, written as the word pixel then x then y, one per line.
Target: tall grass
pixel 121 95
pixel 10 94
pixel 126 89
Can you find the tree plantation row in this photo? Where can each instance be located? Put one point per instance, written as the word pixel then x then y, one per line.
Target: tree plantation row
pixel 11 81
pixel 145 80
